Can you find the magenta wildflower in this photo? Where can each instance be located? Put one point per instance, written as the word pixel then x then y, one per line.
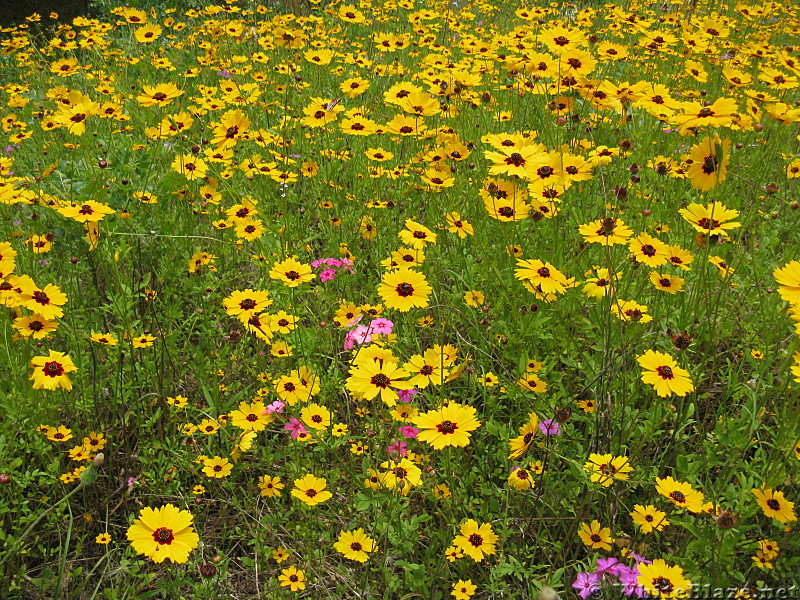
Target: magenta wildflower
pixel 359 335
pixel 275 407
pixel 295 427
pixel 397 446
pixel 607 565
pixel 629 578
pixel 381 326
pixel 406 396
pixel 550 427
pixel 587 584
pixel 408 431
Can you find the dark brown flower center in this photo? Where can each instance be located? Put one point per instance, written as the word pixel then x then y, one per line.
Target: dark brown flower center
pixel 53 369
pixel 447 427
pixel 380 380
pixel 405 289
pixel 662 585
pixel 163 535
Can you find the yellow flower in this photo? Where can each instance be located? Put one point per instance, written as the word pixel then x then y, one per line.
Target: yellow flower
pixel 270 486
pixel 311 490
pixel 649 518
pixel 595 536
pixel 217 467
pixel 663 373
pixel 293 578
pixel 51 371
pixel 476 541
pixel 291 272
pixel 775 505
pixel 164 533
pixel 355 545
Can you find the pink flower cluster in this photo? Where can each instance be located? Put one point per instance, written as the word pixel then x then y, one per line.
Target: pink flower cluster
pixel 362 334
pixel 590 584
pixel 331 264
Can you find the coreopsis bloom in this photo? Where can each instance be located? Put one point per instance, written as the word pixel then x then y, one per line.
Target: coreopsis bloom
pixel 403 289
pixel 246 303
pixel 147 34
pixel 426 369
pixel 230 128
pixel 709 165
pixel 520 444
pixel 649 250
pixel 420 104
pixel 602 284
pixel 542 275
pixel 694 114
pixel 459 226
pixel 463 590
pixel 158 95
pixel 103 538
pixel 595 536
pixel 292 272
pixel 35 326
pixel 355 545
pixel 775 505
pixel 58 434
pixel 507 209
pixel 663 373
pixel 788 278
pixel 649 518
pixel 711 219
pixel 672 284
pixel 605 468
pixel 143 341
pixel 450 425
pixel 190 166
pixel 311 490
pixel 251 416
pixel 607 232
pixel 521 479
pixel 47 301
pixel 315 416
pixel 371 378
pixel 476 541
pixel 630 310
pixel 88 211
pixel 270 486
pixel 768 549
pixel 217 467
pixel 293 578
pixel 681 494
pixel 51 371
pixel 521 161
pixel 164 533
pixel 661 580
pixel 680 257
pixel 416 235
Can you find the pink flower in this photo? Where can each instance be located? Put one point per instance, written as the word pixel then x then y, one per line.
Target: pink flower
pixel 399 447
pixel 550 427
pixel 275 407
pixel 359 335
pixel 295 427
pixel 406 395
pixel 408 431
pixel 327 274
pixel 381 326
pixel 131 481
